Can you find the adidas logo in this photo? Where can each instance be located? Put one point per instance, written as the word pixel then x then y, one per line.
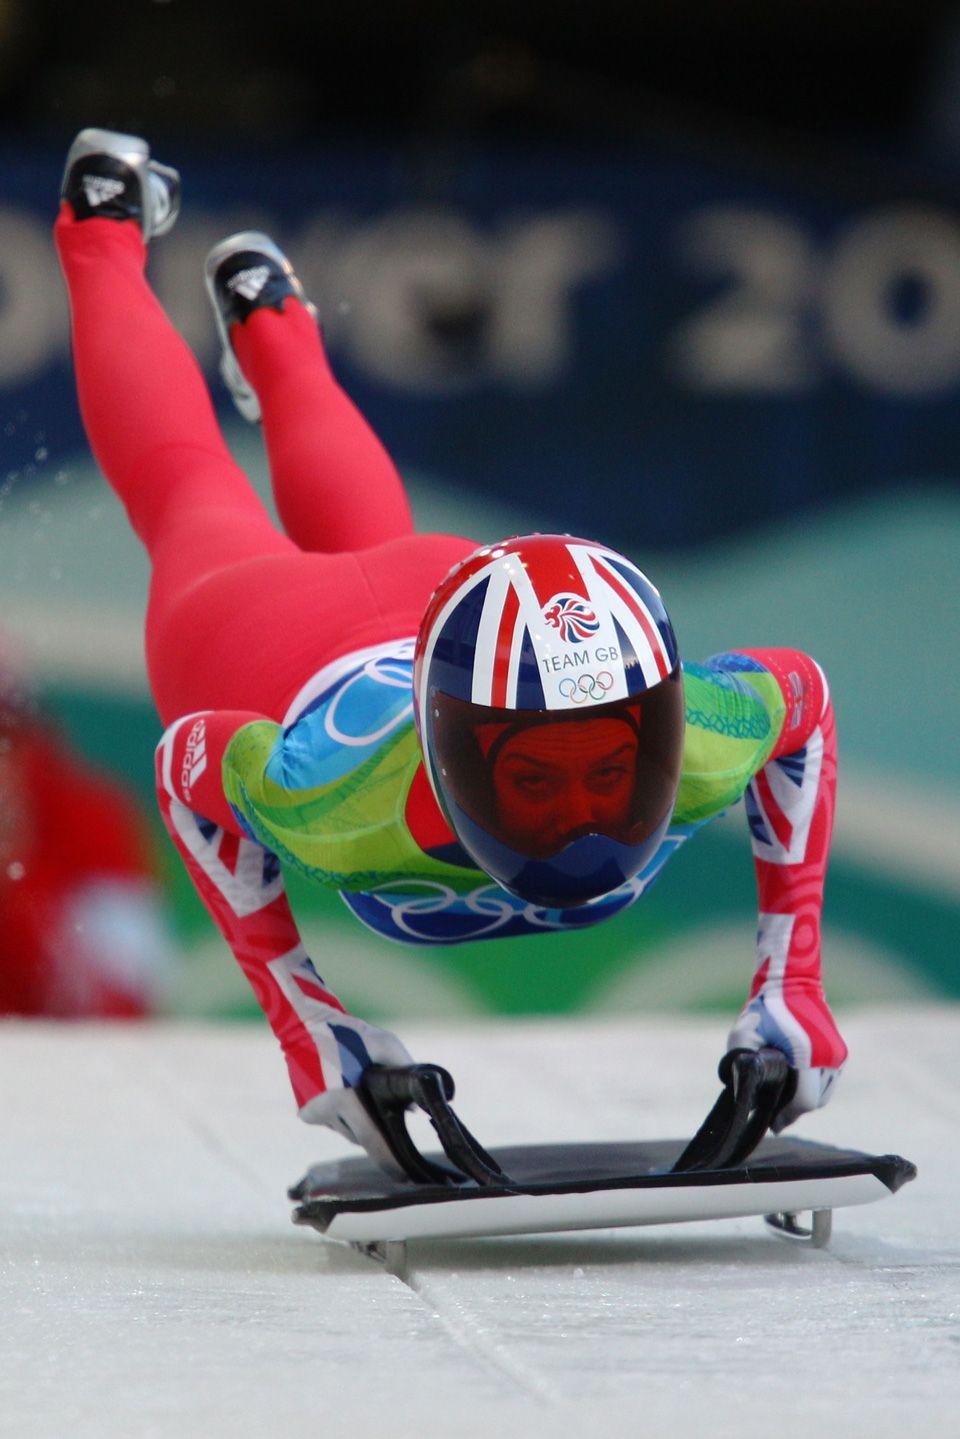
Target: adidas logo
pixel 249 283
pixel 99 189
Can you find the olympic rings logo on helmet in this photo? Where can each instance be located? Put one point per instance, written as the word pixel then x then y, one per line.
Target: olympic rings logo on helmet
pixel 586 687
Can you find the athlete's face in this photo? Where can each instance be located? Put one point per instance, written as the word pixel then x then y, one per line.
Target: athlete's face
pixel 554 783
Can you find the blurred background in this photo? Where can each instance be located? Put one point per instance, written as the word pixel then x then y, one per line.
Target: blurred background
pixel 684 277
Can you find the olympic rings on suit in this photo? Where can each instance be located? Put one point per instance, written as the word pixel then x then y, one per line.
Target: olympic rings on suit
pixel 586 687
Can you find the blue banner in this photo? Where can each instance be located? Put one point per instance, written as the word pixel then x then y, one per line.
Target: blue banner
pixel 652 351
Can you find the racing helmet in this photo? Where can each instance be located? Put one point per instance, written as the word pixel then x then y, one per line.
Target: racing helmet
pixel 549 704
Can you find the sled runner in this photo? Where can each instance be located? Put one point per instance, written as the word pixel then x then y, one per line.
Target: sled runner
pixel 727 1170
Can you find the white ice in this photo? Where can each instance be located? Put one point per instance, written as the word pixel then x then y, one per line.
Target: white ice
pixel 151 1283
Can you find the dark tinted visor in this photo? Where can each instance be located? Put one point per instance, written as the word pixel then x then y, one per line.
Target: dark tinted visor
pixel 537 781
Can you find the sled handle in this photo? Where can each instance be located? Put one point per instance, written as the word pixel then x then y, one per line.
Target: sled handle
pixel 387 1092
pixel 757 1084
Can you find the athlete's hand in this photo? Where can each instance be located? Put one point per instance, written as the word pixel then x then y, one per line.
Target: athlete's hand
pixel 338 1107
pixel 796 1020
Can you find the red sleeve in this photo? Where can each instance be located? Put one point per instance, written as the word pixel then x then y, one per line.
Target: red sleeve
pixel 790 805
pixel 190 762
pixel 241 885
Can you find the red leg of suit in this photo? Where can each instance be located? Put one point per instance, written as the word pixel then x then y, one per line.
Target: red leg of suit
pixel 147 412
pixel 239 615
pixel 336 487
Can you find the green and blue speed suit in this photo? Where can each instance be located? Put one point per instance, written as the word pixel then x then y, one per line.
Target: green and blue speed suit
pixel 338 793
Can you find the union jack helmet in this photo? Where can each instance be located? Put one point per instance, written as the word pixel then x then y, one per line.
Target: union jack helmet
pixel 549 703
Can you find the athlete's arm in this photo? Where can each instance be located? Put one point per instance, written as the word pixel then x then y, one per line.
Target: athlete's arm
pixel 241 884
pixel 190 763
pixel 790 805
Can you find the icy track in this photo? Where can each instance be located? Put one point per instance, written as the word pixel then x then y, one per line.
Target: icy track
pixel 151 1283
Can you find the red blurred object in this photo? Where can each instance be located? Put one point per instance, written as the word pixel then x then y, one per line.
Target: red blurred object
pixel 80 933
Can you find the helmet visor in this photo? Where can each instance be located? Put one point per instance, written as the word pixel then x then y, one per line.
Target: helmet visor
pixel 536 781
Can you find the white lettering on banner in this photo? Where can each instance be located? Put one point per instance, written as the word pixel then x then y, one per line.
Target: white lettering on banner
pixel 541 263
pixel 791 311
pixel 873 256
pixel 420 297
pixel 425 300
pixel 435 305
pixel 750 338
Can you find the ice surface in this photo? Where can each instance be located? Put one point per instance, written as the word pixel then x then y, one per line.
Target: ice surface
pixel 152 1284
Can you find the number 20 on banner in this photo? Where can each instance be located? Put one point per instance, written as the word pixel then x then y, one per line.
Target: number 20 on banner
pixel 878 304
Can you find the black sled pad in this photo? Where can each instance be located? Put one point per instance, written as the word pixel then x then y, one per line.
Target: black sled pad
pixel 553 1187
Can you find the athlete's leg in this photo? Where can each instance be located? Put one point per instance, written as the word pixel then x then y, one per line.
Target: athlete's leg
pixel 153 430
pixel 145 406
pixel 336 487
pixel 239 616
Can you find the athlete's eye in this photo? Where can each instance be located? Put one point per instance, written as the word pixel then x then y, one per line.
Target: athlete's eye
pixel 534 786
pixel 609 776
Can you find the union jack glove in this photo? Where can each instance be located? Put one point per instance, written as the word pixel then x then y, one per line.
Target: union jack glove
pixel 347 1046
pixel 796 1020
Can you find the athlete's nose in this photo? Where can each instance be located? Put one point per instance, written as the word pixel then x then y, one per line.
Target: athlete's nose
pixel 580 808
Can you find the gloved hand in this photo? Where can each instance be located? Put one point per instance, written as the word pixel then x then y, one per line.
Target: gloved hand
pixel 796 1020
pixel 380 1101
pixel 356 1044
